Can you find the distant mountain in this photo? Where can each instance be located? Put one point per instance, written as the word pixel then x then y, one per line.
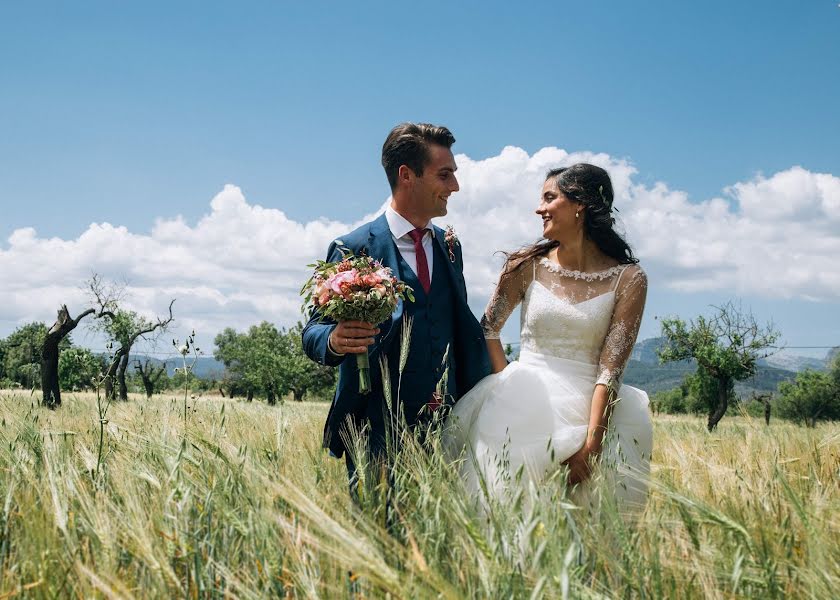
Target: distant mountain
pixel 206 367
pixel 653 377
pixel 645 351
pixel 766 379
pixel 645 371
pixel 794 362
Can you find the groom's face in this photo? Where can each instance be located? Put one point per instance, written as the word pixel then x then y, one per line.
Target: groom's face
pixel 431 191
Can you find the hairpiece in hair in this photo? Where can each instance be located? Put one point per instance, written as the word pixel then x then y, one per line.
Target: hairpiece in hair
pixel 604 198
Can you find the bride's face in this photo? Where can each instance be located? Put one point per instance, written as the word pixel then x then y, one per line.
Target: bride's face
pixel 558 212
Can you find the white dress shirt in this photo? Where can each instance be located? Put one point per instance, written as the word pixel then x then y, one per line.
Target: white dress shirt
pixel 400 228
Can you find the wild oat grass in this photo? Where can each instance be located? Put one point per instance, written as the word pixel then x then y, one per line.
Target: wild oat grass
pixel 244 504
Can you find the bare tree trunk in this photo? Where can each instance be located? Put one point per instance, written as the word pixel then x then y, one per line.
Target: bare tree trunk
pixel 222 391
pixel 49 376
pixel 109 384
pixel 270 397
pixel 111 376
pixel 723 403
pixel 250 396
pixel 767 412
pixel 49 372
pixel 298 395
pixel 50 385
pixel 149 375
pixel 121 376
pixel 148 384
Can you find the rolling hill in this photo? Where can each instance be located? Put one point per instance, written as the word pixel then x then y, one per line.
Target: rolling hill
pixel 645 371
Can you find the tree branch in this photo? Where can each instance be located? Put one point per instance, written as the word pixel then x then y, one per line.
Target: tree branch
pixel 161 324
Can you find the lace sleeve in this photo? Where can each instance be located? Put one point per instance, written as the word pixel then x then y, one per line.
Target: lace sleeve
pixel 508 294
pixel 624 327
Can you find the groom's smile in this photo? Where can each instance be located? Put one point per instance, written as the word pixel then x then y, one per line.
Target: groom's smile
pixel 433 188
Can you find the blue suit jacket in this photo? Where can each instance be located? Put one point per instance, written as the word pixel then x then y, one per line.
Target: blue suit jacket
pixel 470 350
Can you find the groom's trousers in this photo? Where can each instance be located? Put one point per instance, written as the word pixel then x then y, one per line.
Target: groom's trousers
pixel 377 452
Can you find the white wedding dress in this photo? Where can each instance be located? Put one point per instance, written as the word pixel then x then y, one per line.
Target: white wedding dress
pixel 577 330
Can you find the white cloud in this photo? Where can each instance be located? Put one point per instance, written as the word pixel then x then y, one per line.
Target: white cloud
pixel 772 236
pixel 769 237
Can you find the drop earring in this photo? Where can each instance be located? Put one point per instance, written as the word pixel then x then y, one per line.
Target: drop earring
pixel 577 215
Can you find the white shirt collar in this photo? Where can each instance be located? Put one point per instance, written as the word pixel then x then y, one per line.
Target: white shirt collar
pixel 399 225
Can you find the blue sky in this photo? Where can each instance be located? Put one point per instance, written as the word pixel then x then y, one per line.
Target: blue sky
pixel 130 113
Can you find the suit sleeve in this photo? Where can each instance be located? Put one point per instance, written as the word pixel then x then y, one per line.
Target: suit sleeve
pixel 317 332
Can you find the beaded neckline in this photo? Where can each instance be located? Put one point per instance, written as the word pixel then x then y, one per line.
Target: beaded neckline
pixel 594 276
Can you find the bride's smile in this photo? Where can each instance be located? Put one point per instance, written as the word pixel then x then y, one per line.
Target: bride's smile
pixel 560 216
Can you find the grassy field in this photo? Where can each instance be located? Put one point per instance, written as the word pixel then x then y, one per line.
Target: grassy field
pixel 240 502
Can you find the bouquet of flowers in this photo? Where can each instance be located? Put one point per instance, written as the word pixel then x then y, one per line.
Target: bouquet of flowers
pixel 357 288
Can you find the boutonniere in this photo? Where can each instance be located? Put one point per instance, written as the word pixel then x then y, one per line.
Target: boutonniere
pixel 451 239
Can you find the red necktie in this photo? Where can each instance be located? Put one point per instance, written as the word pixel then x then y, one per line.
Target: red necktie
pixel 423 276
pixel 422 263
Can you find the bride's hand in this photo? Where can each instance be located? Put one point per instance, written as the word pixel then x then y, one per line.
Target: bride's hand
pixel 580 466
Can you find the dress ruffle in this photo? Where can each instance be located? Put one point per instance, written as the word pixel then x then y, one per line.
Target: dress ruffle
pixel 536 413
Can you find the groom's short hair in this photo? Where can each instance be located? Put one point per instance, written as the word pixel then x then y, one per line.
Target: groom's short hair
pixel 408 144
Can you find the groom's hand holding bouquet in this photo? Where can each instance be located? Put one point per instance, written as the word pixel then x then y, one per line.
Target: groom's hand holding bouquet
pixel 358 293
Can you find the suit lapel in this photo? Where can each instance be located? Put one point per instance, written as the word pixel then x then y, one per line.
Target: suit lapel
pixel 381 246
pixel 454 275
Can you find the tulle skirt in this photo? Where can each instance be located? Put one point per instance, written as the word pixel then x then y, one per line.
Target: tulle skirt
pixel 534 415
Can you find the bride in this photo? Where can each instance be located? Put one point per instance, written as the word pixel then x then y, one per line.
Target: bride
pixel 582 294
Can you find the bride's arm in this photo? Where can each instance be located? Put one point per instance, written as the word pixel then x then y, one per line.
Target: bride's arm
pixel 498 358
pixel 618 346
pixel 507 296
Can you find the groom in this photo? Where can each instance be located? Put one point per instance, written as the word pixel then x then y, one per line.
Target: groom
pixel 420 167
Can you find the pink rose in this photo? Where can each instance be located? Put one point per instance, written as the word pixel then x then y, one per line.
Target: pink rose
pixel 321 292
pixel 336 281
pixel 372 280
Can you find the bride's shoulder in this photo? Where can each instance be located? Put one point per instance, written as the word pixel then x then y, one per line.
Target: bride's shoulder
pixel 517 265
pixel 633 270
pixel 631 276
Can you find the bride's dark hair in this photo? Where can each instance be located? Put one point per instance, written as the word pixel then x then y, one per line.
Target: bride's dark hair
pixel 589 186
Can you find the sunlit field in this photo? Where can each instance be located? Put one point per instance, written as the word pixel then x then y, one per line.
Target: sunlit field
pixel 239 501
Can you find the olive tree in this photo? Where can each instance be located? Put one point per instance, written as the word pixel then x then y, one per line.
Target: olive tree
pixel 299 374
pixel 22 354
pixel 50 354
pixel 726 348
pixel 812 396
pixel 270 361
pixel 124 327
pixel 79 368
pixel 150 375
